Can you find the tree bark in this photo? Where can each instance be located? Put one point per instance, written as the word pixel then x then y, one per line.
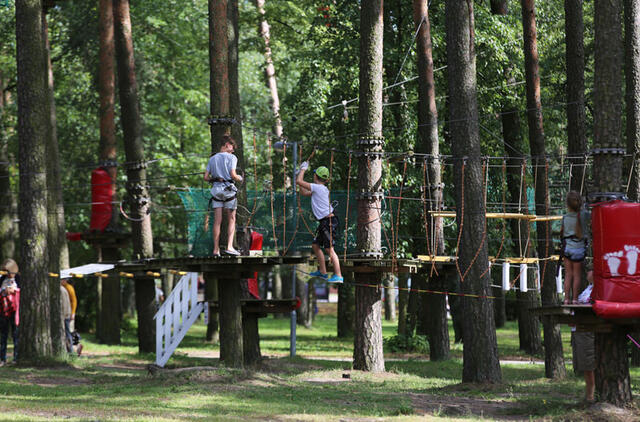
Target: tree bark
pixel 554 360
pixel 211 295
pixel 528 324
pixel 269 70
pixel 403 303
pixel 33 123
pixel 500 7
pixel 434 304
pixel 480 353
pixel 613 384
pixel 367 351
pixel 56 236
pixel 110 306
pixel 574 55
pixel 219 70
pixel 108 329
pixel 632 76
pixel 346 306
pixel 137 194
pixel 231 332
pixel 7 227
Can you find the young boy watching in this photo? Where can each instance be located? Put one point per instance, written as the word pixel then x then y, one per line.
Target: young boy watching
pixel 328 222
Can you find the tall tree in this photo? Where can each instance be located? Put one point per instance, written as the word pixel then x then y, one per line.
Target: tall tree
pixel 613 384
pixel 574 55
pixel 109 321
pixel 480 352
pixel 56 234
pixel 528 324
pixel 554 360
pixel 7 228
pixel 269 70
pixel 33 123
pixel 367 351
pixel 434 305
pixel 229 291
pixel 137 193
pixel 632 76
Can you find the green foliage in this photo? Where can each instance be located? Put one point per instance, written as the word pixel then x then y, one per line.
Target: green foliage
pixel 407 344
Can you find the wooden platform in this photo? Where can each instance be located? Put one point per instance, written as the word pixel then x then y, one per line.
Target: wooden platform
pixel 584 318
pixel 263 306
pixel 224 265
pixel 375 265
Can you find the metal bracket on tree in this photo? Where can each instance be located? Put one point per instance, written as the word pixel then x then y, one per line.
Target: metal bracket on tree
pixel 370 196
pixel 370 141
pixel 136 165
pixel 222 120
pixel 613 151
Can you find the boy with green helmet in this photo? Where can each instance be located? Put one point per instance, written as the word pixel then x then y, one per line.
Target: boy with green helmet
pixel 328 222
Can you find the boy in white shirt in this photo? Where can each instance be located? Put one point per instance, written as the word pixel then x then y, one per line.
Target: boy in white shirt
pixel 328 222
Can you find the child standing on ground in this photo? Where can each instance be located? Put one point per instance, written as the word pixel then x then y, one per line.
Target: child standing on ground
pixel 328 222
pixel 9 317
pixel 574 241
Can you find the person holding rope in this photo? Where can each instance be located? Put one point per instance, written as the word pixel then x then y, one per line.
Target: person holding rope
pixel 328 222
pixel 221 172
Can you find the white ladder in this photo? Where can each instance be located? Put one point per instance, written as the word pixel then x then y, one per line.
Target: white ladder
pixel 176 315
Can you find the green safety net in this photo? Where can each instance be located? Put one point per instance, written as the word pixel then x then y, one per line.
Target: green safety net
pixel 294 223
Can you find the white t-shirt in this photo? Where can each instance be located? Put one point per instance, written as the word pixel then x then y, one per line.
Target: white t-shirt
pixel 320 204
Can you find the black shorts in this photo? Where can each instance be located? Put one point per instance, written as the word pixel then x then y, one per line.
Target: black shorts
pixel 327 232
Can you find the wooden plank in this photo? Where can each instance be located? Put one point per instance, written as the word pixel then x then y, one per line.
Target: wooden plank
pixel 505 215
pixel 435 258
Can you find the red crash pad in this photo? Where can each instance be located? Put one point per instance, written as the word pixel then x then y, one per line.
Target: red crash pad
pixel 616 250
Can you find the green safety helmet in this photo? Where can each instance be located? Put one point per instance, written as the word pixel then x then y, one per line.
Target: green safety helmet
pixel 322 172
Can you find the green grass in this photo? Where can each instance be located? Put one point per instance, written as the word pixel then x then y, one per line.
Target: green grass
pixel 111 383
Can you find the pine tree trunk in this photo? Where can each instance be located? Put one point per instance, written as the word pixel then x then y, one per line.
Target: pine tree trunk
pixel 346 306
pixel 434 304
pixel 403 303
pixel 612 364
pixel 55 209
pixel 632 76
pixel 7 227
pixel 33 123
pixel 211 295
pixel 108 329
pixel 574 35
pixel 137 194
pixel 110 301
pixel 367 352
pixel 480 353
pixel 231 333
pixel 554 360
pixel 528 324
pixel 269 70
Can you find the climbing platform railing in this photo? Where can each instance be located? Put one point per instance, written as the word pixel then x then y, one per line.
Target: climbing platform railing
pixel 175 316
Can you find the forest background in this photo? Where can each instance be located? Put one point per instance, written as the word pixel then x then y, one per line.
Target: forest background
pixel 315 48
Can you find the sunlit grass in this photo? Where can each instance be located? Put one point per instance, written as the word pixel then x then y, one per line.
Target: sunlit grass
pixel 112 383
